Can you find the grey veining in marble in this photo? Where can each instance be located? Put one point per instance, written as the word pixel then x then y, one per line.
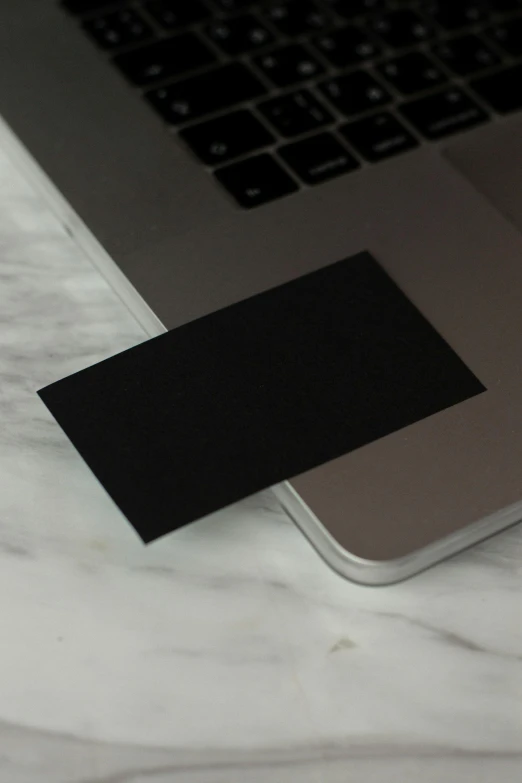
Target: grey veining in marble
pixel 227 652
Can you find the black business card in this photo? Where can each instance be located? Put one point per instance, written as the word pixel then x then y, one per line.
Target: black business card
pixel 261 391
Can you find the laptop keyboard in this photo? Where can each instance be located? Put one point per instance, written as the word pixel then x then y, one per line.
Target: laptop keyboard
pixel 275 96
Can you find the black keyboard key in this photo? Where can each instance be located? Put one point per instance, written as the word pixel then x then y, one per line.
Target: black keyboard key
pixel 444 113
pixel 296 113
pixel 239 34
pixel 231 5
pixel 86 6
pixel 209 92
pixel 503 6
pixel 346 46
pixel 508 36
pixel 379 137
pixel 402 28
pixel 120 28
pixel 355 93
pixel 288 65
pixel 227 137
pixel 170 57
pixel 502 90
pixel 297 18
pixel 351 8
pixel 255 181
pixel 177 13
pixel 454 14
pixel 466 54
pixel 318 159
pixel 411 73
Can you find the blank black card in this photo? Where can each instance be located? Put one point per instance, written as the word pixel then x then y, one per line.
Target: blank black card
pixel 204 415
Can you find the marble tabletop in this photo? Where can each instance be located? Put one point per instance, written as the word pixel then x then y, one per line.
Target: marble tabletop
pixel 227 652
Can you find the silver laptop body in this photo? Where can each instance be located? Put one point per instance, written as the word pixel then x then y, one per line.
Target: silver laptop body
pixel 443 216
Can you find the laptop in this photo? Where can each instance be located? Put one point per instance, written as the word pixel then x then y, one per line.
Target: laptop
pixel 203 151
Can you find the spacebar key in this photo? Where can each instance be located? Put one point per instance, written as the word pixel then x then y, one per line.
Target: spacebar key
pixel 209 92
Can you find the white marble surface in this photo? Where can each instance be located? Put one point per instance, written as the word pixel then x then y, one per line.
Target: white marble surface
pixel 227 652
